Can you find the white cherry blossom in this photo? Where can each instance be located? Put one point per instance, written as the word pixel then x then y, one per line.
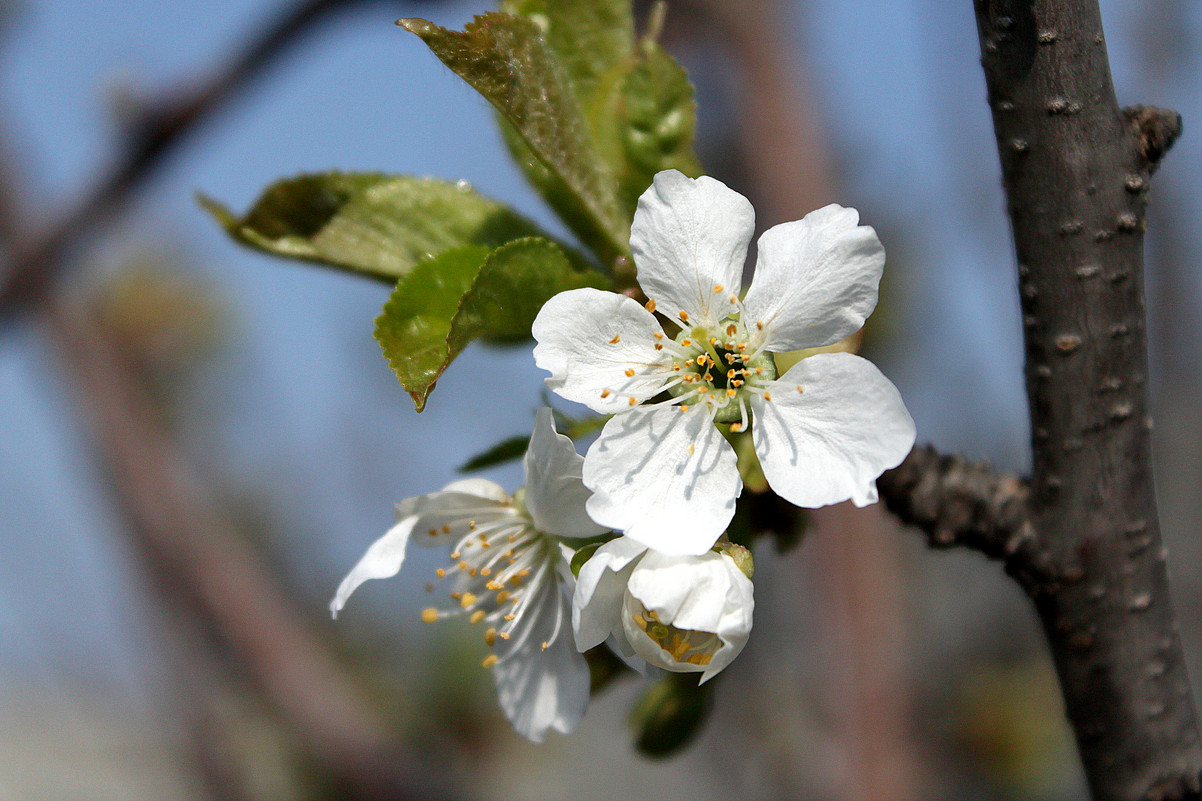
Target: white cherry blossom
pixel 661 471
pixel 509 573
pixel 680 613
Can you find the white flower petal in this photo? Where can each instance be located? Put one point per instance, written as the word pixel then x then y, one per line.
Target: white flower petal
pixel 706 593
pixel 555 495
pixel 383 559
pixel 665 477
pixel 688 237
pixel 443 516
pixel 589 340
pixel 544 683
pixel 830 441
pixel 597 601
pixel 815 279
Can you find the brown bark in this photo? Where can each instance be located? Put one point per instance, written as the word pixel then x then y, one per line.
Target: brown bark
pixel 1085 544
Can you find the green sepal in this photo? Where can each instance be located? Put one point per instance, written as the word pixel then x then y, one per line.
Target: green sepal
pixel 370 223
pixel 467 293
pixel 670 714
pixel 583 554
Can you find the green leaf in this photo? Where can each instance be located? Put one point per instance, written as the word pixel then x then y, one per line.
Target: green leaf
pixel 504 451
pixel 506 59
pixel 369 223
pixel 468 293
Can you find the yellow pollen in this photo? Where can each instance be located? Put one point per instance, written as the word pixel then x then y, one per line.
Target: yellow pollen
pixel 629 372
pixel 484 571
pixel 736 383
pixel 455 555
pixel 429 614
pixel 713 340
pixel 657 334
pixel 446 529
pixel 433 532
pixel 759 371
pixel 463 565
pixel 730 373
pixel 505 635
pixel 730 393
pixel 502 596
pixel 709 376
pixel 684 315
pixel 544 646
pixel 471 571
pixel 477 616
pixel 731 329
pixel 686 342
pixel 736 427
pixel 692 448
pixel 467 600
pixel 605 393
pixel 767 396
pixel 689 362
pixel 799 389
pixel 684 407
pixel 490 637
pixel 495 585
pixel 614 341
pixel 640 621
pixel 759 326
pixel 634 401
pixel 471 524
pixel 650 305
pixel 490 660
pixel 441 573
pixel 658 346
pixel 718 288
pixel 733 298
pixel 742 346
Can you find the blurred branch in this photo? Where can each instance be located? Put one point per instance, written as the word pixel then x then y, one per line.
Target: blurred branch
pixel 191 548
pixel 161 130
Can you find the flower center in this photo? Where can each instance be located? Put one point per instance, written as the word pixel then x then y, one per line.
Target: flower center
pixel 494 568
pixel 683 645
pixel 720 368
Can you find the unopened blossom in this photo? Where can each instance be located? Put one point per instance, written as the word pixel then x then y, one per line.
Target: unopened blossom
pixel 700 353
pixel 680 613
pixel 508 574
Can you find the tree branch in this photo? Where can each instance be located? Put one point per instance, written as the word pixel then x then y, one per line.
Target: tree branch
pixel 1075 169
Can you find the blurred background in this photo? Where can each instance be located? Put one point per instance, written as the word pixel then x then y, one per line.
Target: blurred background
pixel 196 441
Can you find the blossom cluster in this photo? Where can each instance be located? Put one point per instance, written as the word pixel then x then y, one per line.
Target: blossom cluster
pixel 680 376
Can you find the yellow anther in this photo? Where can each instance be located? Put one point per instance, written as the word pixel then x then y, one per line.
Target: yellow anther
pixel 759 325
pixel 709 376
pixel 471 524
pixel 730 393
pixel 510 616
pixel 471 571
pixel 463 565
pixel 446 529
pixel 767 396
pixel 429 614
pixel 742 346
pixel 659 346
pixel 737 383
pixel 467 600
pixel 484 571
pixel 490 637
pixel 736 427
pixel 679 650
pixel 614 341
pixel 684 407
pixel 477 616
pixel 440 573
pixel 433 532
pixel 731 329
pixel 629 372
pixel 692 449
pixel 657 334
pixel 689 362
pixel 502 596
pixel 634 401
pixel 490 660
pixel 718 289
pixel 544 645
pixel 799 389
pixel 605 393
pixel 684 315
pixel 495 585
pixel 640 621
pixel 733 298
pixel 686 342
pixel 650 305
pixel 730 373
pixel 455 555
pixel 455 596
